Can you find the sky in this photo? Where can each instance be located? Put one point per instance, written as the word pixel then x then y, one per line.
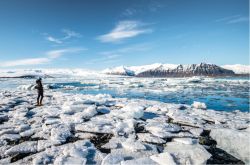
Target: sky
pixel 98 34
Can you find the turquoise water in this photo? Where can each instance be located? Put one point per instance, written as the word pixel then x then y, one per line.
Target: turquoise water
pixel 224 94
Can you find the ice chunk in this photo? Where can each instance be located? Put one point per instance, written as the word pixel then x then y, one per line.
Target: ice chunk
pixel 199 105
pixel 96 126
pixel 139 161
pixel 147 137
pixel 78 116
pixel 103 109
pixel 234 142
pixel 169 127
pixel 196 131
pixel 3 143
pixel 4 148
pixel 186 118
pixel 11 137
pixel 25 147
pixel 89 112
pixel 42 144
pixel 83 135
pixel 41 158
pixel 23 127
pixel 27 133
pixel 50 121
pixel 8 131
pixel 133 110
pixel 76 151
pixel 194 80
pixel 5 161
pixel 128 154
pixel 162 129
pixel 112 159
pixel 64 160
pixel 187 154
pixel 185 140
pixel 124 127
pixel 70 108
pixel 163 159
pixel 60 133
pixel 133 145
pixel 114 142
pixel 71 153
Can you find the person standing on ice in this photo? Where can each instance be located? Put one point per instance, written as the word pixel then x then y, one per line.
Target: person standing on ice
pixel 39 87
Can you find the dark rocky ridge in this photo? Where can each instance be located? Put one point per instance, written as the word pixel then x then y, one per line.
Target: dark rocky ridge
pixel 31 76
pixel 202 69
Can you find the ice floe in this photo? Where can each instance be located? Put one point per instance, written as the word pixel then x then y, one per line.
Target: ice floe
pixel 163 158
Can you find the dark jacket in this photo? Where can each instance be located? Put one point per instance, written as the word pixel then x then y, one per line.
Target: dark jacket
pixel 39 88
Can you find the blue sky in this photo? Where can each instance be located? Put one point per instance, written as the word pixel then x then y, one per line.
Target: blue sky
pixel 97 34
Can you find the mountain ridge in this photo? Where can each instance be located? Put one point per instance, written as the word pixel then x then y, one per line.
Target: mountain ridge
pixel 174 70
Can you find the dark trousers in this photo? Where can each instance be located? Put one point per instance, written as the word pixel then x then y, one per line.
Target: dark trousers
pixel 39 97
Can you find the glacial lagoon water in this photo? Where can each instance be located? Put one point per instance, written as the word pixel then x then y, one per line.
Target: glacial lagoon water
pixel 222 94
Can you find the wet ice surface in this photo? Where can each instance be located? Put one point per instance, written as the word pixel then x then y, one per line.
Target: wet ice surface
pixel 222 94
pixel 73 128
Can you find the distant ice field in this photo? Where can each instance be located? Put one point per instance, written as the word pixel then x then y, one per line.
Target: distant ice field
pixel 222 94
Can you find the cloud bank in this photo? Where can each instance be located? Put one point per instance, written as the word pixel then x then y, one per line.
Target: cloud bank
pixel 49 56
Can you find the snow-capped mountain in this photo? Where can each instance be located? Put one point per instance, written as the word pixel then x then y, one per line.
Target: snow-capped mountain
pixel 238 68
pixel 135 70
pixel 121 70
pixel 202 69
pixel 171 70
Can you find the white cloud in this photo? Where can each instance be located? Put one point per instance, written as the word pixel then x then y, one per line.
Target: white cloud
pixel 70 34
pixel 67 34
pixel 238 20
pixel 123 30
pixel 129 12
pixel 58 53
pixel 233 19
pixel 154 6
pixel 52 39
pixel 28 61
pixel 150 7
pixel 49 57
